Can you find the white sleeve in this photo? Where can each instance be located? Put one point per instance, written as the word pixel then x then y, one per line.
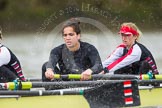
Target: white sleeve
pixel 126 60
pixel 5 56
pixel 117 53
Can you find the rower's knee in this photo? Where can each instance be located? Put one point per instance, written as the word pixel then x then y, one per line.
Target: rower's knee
pixel 6 75
pixel 144 67
pixel 43 72
pixel 44 67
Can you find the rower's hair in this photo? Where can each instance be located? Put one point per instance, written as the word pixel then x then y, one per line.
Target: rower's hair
pixel 133 26
pixel 74 23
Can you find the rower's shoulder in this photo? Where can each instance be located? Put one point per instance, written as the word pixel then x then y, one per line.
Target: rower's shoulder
pixel 57 48
pixel 142 47
pixel 139 44
pixel 86 45
pixel 3 47
pixel 121 46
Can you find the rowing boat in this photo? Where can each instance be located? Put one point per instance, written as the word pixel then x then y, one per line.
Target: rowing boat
pixel 69 101
pixel 150 97
pixel 147 96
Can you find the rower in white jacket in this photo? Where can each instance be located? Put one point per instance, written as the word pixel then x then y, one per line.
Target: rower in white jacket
pixel 130 57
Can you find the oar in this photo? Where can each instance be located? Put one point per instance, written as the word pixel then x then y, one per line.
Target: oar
pixel 95 76
pixel 40 92
pixel 103 77
pixel 33 79
pixel 52 85
pixel 150 76
pixel 107 95
pixel 65 84
pixel 92 77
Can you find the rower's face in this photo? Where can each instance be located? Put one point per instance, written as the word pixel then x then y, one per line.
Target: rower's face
pixel 128 39
pixel 70 37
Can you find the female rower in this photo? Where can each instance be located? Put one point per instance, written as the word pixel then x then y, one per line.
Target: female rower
pixel 10 68
pixel 130 57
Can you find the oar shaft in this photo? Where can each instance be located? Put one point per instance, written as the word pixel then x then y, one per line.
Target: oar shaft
pixel 33 79
pixel 66 84
pixel 101 77
pixel 109 77
pixel 40 93
pixel 96 76
pixel 54 85
pixel 114 77
pixel 92 77
pixel 70 84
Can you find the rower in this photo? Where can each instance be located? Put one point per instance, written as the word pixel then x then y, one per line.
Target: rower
pixel 130 57
pixel 10 67
pixel 73 57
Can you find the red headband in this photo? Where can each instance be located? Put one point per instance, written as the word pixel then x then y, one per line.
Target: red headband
pixel 128 30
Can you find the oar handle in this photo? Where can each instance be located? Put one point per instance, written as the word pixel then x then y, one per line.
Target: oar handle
pixel 68 76
pixel 147 77
pixel 15 86
pixel 58 76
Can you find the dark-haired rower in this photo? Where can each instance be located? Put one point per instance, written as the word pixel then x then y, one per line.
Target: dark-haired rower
pixel 73 57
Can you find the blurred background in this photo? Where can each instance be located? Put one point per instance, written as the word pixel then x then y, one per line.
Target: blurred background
pixel 31 28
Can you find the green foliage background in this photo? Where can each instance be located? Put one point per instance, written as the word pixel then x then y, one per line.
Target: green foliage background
pixel 31 15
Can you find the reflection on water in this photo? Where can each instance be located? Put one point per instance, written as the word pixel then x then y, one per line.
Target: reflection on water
pixel 34 50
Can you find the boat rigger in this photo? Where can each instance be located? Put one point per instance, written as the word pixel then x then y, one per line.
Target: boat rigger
pixel 98 94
